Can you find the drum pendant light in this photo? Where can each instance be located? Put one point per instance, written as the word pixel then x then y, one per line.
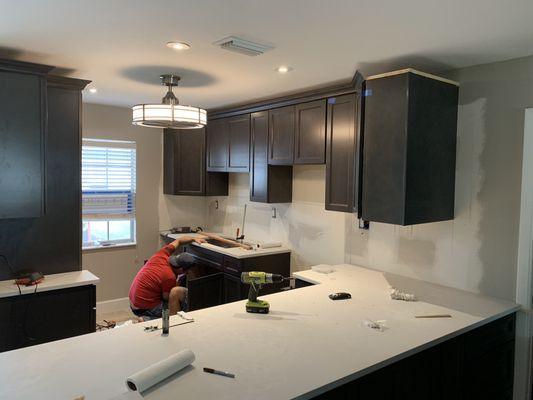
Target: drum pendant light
pixel 169 114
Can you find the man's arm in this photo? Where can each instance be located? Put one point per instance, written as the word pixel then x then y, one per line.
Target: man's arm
pixel 186 240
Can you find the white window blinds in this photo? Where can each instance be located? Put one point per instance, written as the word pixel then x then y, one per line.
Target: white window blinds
pixel 108 179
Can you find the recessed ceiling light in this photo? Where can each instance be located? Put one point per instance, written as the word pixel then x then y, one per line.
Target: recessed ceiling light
pixel 283 69
pixel 178 46
pixel 93 90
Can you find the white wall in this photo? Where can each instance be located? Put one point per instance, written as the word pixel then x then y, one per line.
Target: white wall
pixel 477 251
pixel 117 267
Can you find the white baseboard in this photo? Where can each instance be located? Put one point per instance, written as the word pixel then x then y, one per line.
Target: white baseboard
pixel 108 306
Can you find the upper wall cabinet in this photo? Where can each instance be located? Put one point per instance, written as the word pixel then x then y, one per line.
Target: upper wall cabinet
pixel 228 144
pixel 268 183
pixel 342 142
pixel 22 139
pixel 297 134
pixel 310 134
pixel 184 170
pixel 410 127
pixel 281 136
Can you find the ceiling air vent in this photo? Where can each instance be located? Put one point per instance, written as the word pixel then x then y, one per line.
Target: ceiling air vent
pixel 242 46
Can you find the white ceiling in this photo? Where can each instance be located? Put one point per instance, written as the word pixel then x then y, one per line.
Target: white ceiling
pixel 120 44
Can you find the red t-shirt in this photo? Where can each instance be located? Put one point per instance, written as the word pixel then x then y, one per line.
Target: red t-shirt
pixel 153 279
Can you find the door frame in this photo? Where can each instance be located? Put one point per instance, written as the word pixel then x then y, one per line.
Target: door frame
pixel 524 276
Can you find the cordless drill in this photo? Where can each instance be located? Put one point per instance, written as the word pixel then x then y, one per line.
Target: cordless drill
pixel 256 280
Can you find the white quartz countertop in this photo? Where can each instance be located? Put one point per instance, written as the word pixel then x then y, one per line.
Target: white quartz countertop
pixel 51 282
pixel 306 345
pixel 236 252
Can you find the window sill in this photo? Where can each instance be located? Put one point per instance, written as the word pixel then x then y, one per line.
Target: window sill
pixel 120 246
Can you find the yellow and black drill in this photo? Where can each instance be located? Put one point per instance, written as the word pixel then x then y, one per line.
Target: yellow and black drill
pixel 256 280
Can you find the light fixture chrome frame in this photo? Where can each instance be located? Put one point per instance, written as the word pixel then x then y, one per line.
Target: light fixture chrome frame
pixel 169 113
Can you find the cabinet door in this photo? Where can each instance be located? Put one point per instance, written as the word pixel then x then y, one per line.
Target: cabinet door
pixel 310 134
pixel 340 154
pixel 268 183
pixel 281 136
pixel 233 289
pixel 22 104
pixel 184 166
pixel 43 317
pixel 217 145
pixel 239 143
pixel 259 156
pixel 206 291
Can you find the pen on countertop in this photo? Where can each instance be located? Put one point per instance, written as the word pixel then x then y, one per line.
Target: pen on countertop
pixel 217 372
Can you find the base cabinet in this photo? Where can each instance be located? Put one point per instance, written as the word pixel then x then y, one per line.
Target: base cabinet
pixel 216 278
pixel 475 365
pixel 43 317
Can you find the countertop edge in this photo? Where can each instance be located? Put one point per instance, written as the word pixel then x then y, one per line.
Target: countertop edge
pixel 87 278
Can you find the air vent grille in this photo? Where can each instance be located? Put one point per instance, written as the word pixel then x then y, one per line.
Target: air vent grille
pixel 242 46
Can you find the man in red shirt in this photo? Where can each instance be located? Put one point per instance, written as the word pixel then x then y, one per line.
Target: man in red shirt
pixel 156 281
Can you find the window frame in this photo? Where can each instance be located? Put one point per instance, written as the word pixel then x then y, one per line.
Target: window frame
pixel 107 218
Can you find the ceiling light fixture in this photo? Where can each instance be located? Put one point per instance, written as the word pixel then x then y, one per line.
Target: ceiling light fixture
pixel 283 69
pixel 93 90
pixel 169 114
pixel 178 46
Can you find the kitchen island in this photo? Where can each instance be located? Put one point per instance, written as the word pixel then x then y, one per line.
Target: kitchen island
pixel 307 346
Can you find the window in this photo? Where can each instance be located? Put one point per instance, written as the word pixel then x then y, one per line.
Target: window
pixel 108 192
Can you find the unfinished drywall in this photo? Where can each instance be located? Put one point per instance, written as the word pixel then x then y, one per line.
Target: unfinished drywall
pixel 477 251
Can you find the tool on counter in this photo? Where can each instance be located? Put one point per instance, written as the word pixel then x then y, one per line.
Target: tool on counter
pixel 165 317
pixel 340 296
pixel 217 372
pixel 376 325
pixel 151 328
pixel 225 240
pixel 256 280
pixel 185 229
pixel 397 294
pixel 434 316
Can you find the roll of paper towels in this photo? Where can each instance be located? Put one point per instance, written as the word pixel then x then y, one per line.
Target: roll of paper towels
pixel 155 373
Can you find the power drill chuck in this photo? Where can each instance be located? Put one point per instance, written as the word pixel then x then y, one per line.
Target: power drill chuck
pixel 260 277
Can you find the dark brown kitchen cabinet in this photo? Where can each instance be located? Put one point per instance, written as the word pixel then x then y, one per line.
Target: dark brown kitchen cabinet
pixel 22 139
pixel 448 370
pixel 234 290
pixel 206 291
pixel 281 136
pixel 217 145
pixel 216 278
pixel 239 143
pixel 45 316
pixel 184 171
pixel 268 183
pixel 341 148
pixel 57 164
pixel 310 133
pixel 228 144
pixel 410 128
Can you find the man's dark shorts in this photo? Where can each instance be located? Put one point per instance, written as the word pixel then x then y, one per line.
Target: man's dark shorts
pixel 152 313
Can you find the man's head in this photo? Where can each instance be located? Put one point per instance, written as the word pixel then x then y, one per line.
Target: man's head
pixel 181 263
